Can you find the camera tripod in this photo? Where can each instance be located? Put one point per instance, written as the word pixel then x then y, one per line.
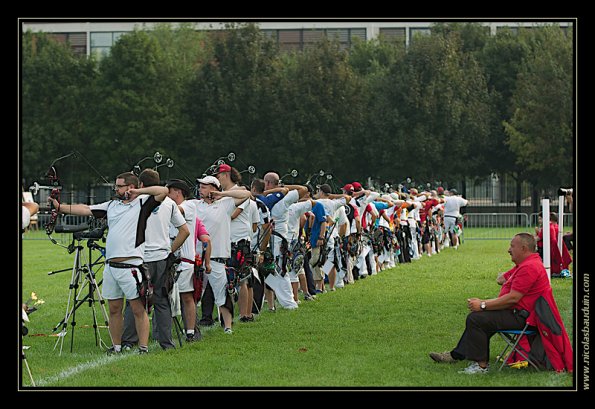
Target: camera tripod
pixel 83 276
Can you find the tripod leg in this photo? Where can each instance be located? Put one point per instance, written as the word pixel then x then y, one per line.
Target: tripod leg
pixel 27 366
pixel 73 286
pixel 95 289
pixel 178 328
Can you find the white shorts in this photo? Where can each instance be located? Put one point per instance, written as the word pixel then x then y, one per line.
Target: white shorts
pixel 218 280
pixel 449 224
pixel 293 276
pixel 119 283
pixel 26 217
pixel 185 279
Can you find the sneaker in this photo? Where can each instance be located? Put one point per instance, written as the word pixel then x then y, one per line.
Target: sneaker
pixel 206 322
pixel 228 331
pixel 127 346
pixel 197 336
pixel 142 351
pixel 308 297
pixel 474 368
pixel 247 319
pixel 442 357
pixel 112 351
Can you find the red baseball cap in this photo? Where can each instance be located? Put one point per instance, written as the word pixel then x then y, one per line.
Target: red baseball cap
pixel 440 190
pixel 348 188
pixel 222 168
pixel 356 186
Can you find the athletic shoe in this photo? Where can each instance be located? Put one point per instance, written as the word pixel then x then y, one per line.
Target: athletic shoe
pixel 112 351
pixel 308 297
pixel 442 357
pixel 142 351
pixel 474 369
pixel 247 319
pixel 206 322
pixel 127 346
pixel 228 331
pixel 197 336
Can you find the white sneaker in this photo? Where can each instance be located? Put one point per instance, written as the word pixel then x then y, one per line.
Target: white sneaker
pixel 474 368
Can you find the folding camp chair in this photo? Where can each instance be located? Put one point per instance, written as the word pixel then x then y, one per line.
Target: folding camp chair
pixel 512 338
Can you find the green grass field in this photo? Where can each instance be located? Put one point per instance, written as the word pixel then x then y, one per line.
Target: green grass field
pixel 376 333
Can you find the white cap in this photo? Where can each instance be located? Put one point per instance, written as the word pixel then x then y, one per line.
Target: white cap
pixel 210 180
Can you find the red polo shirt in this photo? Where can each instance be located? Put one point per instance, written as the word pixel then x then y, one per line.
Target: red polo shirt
pixel 528 278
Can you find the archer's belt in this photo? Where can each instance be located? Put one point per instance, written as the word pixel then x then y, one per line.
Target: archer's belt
pixel 115 264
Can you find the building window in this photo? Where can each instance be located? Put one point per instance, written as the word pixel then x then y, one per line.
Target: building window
pixel 101 43
pixel 394 34
pixel 414 32
pixel 301 39
pixel 76 41
pixel 290 40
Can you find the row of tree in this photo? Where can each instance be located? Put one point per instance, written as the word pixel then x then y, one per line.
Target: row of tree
pixel 457 103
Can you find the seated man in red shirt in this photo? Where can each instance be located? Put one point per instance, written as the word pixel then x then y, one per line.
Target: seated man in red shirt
pixel 516 301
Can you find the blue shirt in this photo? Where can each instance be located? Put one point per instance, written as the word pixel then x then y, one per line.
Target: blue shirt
pixel 271 199
pixel 319 218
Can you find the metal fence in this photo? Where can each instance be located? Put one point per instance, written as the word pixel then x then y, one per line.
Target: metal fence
pixel 494 226
pixel 502 226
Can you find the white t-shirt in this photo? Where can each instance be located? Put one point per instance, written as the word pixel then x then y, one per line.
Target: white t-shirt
pixel 216 218
pixel 158 245
pixel 296 211
pixel 342 215
pixel 331 206
pixel 241 226
pixel 453 205
pixel 188 248
pixel 280 212
pixel 127 223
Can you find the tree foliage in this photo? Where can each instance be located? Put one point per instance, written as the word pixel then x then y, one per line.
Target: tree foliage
pixel 457 103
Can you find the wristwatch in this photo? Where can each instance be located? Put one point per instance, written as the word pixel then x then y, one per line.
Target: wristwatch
pixel 483 305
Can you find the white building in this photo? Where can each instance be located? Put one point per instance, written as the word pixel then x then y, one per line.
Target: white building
pixel 97 36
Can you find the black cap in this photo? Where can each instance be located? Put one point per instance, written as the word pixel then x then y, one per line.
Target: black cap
pixel 180 184
pixel 325 188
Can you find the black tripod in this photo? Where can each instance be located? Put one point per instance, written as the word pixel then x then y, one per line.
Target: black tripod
pixel 83 276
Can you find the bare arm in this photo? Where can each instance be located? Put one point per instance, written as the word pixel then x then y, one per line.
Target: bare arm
pixel 266 231
pixel 500 279
pixel 183 233
pixel 236 213
pixel 505 302
pixel 280 189
pixel 302 190
pixel 238 195
pixel 160 192
pixel 76 209
pixel 205 239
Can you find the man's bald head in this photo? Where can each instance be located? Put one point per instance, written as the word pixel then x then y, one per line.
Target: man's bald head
pixel 271 179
